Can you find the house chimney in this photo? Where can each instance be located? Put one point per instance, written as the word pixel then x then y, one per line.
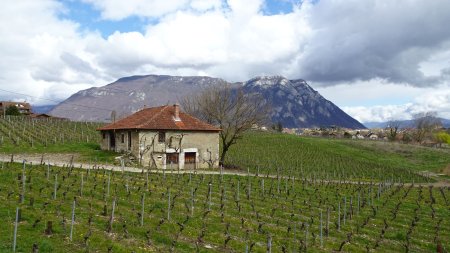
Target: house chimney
pixel 177 112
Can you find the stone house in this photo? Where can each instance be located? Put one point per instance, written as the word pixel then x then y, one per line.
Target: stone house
pixel 164 137
pixel 24 108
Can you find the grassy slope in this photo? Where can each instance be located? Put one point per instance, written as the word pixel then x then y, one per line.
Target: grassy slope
pixel 272 151
pixel 88 151
pixel 295 203
pixel 414 157
pixel 283 214
pixel 21 135
pixel 269 152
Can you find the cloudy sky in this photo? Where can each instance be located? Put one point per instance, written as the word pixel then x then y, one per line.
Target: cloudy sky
pixel 376 59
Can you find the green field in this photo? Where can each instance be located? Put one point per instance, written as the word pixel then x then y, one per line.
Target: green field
pixel 258 152
pixel 368 193
pixel 336 158
pixel 241 212
pixel 23 135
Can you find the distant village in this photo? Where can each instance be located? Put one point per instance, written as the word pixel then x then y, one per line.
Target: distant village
pixel 337 132
pixel 404 135
pixel 431 134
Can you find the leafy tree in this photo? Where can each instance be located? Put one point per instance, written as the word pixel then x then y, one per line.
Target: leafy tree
pixel 12 110
pixel 231 109
pixel 442 137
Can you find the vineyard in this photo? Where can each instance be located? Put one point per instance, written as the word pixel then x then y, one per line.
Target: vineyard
pixel 259 153
pixel 334 159
pixel 26 132
pixel 25 135
pixel 289 194
pixel 77 210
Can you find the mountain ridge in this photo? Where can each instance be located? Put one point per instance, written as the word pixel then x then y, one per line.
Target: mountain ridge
pixel 294 103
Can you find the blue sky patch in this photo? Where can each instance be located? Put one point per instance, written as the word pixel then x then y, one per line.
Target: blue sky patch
pixel 90 19
pixel 274 7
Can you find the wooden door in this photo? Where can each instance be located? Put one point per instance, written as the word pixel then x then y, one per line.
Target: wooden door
pixel 189 160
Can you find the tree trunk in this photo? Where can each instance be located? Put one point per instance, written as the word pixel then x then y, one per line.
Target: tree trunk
pixel 35 248
pixel 49 229
pixel 222 155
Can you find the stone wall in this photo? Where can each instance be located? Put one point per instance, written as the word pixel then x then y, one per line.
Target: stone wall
pixel 120 146
pixel 204 144
pixel 145 146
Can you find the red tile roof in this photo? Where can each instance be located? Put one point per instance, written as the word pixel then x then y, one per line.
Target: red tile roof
pixel 160 118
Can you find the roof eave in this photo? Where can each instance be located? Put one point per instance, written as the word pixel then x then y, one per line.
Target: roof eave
pixel 159 129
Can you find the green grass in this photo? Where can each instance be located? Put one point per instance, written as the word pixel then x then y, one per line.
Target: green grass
pixel 335 158
pixel 86 152
pixel 23 135
pixel 242 212
pixel 281 154
pixel 415 157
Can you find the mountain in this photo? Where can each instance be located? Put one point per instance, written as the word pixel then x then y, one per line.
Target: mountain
pixel 42 108
pixel 375 124
pixel 403 123
pixel 128 95
pixel 445 122
pixel 294 102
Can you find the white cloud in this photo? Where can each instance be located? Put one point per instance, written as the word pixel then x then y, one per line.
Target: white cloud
pixel 360 40
pixel 325 41
pixel 204 5
pixel 378 113
pixel 40 53
pixel 234 43
pixel 358 49
pixel 434 101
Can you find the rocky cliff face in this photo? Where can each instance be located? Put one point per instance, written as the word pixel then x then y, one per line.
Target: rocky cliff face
pixel 294 102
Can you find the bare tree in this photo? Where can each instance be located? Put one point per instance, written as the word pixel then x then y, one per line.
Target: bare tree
pixel 144 148
pixel 230 109
pixel 425 123
pixel 210 160
pixel 113 116
pixel 393 127
pixel 176 141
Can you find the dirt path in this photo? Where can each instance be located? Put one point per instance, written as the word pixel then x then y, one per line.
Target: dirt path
pixel 65 159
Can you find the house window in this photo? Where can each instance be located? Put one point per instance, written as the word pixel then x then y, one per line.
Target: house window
pixel 172 158
pixel 122 138
pixel 104 135
pixel 162 136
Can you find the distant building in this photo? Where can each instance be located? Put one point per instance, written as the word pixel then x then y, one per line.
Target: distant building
pixel 164 137
pixel 45 116
pixel 372 136
pixel 24 108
